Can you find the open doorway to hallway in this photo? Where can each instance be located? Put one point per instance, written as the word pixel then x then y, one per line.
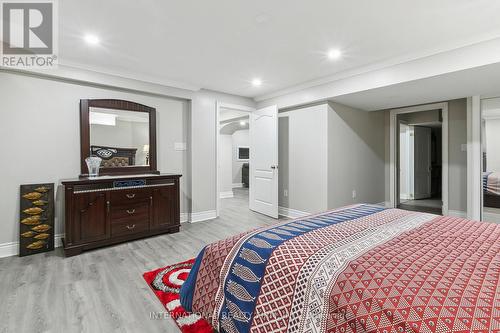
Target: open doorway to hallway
pixel 420 153
pixel 233 161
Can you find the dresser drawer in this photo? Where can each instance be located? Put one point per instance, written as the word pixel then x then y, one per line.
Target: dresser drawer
pixel 124 197
pixel 128 227
pixel 131 212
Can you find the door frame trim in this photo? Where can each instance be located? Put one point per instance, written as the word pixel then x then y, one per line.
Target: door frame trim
pixel 392 158
pixel 474 159
pixel 219 105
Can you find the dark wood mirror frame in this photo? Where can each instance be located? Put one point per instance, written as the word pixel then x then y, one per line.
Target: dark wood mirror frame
pixel 116 104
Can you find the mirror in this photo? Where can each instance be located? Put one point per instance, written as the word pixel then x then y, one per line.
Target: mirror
pixel 120 138
pixel 121 133
pixel 490 143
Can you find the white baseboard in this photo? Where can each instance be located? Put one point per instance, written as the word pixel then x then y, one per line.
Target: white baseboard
pixel 203 216
pixel 457 213
pixel 236 185
pixel 292 213
pixel 227 194
pixel 12 248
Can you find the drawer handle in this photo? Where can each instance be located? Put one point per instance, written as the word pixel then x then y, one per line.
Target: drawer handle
pixel 131 211
pixel 130 196
pixel 130 227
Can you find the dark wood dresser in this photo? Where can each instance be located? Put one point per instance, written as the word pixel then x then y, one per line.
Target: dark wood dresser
pixel 114 209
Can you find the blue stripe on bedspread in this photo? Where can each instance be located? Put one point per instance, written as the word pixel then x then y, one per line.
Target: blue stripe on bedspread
pixel 187 289
pixel 242 285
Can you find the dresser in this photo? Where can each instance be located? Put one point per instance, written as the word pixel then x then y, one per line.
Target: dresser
pixel 114 209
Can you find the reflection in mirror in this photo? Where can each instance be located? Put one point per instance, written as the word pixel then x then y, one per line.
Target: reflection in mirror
pixel 119 137
pixel 490 136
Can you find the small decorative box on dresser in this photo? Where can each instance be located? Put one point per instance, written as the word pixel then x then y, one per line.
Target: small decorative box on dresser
pixel 113 209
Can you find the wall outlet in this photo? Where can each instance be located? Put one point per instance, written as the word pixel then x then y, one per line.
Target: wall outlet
pixel 285 193
pixel 354 194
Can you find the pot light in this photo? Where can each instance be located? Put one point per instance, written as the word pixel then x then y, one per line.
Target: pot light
pixel 242 123
pixel 91 39
pixel 334 54
pixel 256 82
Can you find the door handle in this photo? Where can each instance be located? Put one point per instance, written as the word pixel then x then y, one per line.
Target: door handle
pixel 274 167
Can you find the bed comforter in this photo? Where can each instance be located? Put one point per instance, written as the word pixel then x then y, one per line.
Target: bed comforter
pixel 491 183
pixel 361 268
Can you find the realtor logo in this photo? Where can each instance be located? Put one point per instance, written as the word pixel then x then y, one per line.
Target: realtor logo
pixel 29 38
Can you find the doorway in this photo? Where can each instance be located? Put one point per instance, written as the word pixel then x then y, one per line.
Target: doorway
pixel 420 162
pixel 233 156
pixel 419 158
pixel 254 169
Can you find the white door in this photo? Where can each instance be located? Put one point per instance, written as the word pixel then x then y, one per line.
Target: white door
pixel 422 162
pixel 264 161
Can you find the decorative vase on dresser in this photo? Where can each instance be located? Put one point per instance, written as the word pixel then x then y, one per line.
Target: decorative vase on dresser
pixel 108 210
pixel 120 195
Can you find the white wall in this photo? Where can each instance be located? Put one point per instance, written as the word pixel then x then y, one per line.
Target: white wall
pixel 492 138
pixel 326 152
pixel 303 159
pixel 203 125
pixel 40 138
pixel 226 163
pixel 240 139
pixel 457 159
pixel 355 156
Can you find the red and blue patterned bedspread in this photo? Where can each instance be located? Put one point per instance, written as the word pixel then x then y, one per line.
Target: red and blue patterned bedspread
pixel 361 268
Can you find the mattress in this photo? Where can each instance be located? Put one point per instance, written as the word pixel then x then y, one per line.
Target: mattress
pixel 491 183
pixel 360 268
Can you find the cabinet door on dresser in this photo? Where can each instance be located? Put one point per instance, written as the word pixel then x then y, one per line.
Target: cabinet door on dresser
pixel 91 217
pixel 166 206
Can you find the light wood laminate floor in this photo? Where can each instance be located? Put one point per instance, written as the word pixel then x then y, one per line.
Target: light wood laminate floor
pixel 103 290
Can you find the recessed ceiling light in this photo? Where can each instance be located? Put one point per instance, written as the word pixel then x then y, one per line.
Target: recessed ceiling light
pixel 256 82
pixel 334 54
pixel 92 39
pixel 242 123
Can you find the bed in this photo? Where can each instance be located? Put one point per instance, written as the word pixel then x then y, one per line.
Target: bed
pixel 361 268
pixel 114 156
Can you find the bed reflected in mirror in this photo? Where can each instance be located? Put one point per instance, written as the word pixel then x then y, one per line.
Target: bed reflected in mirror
pixel 490 133
pixel 119 137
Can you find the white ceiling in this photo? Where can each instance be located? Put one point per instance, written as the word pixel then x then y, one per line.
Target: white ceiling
pixel 483 80
pixel 222 45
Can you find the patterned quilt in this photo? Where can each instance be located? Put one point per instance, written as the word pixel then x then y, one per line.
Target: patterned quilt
pixel 360 268
pixel 491 183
